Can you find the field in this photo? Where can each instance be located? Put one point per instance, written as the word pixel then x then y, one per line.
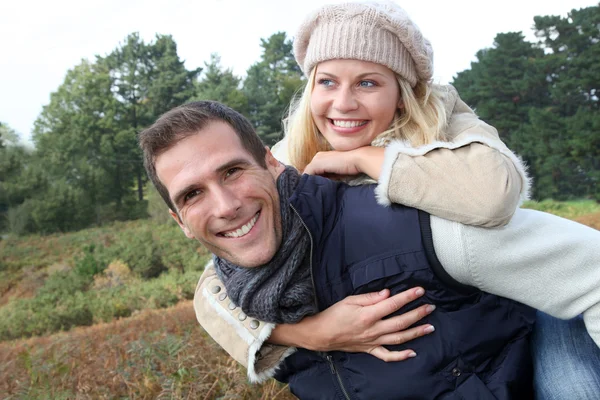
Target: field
pixel 105 313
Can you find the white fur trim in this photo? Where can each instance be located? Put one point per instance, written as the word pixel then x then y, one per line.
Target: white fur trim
pixel 403 147
pixel 254 343
pixel 262 376
pixel 390 156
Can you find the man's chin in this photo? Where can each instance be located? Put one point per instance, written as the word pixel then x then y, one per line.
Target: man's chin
pixel 245 259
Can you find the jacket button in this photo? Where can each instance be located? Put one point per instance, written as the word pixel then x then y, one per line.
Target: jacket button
pixel 215 289
pixel 222 296
pixel 254 324
pixel 456 372
pixel 242 316
pixel 232 306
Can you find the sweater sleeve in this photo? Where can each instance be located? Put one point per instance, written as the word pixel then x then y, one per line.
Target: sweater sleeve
pixel 547 262
pixel 473 178
pixel 243 338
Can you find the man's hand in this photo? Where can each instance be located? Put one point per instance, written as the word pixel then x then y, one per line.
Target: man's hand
pixel 367 160
pixel 355 324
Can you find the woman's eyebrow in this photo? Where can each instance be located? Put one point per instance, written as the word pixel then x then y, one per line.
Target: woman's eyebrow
pixel 358 76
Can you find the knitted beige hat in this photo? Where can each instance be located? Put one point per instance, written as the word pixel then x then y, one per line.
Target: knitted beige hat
pixel 377 32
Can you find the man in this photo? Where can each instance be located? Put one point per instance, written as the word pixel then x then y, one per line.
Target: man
pixel 220 185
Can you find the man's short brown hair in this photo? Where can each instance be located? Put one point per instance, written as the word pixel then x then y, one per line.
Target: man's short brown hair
pixel 187 120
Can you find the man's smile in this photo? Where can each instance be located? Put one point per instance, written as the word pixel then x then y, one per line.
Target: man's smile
pixel 243 230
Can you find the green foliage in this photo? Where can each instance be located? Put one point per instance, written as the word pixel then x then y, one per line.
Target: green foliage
pixel 86 168
pixel 69 298
pixel 61 285
pixel 18 219
pixel 14 158
pixel 270 85
pixel 543 100
pixel 565 209
pixel 62 304
pixel 87 266
pixel 219 84
pixel 141 253
pixel 157 209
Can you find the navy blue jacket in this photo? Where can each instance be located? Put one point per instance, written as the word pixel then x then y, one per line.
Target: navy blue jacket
pixel 480 349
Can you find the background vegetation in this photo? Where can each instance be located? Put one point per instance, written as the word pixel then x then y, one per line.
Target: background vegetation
pixel 86 169
pixel 96 279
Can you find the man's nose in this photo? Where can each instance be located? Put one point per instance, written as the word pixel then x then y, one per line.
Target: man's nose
pixel 345 100
pixel 227 203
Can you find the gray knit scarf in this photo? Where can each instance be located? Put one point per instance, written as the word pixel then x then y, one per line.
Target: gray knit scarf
pixel 280 291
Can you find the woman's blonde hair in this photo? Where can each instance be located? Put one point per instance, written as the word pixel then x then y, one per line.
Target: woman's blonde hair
pixel 422 120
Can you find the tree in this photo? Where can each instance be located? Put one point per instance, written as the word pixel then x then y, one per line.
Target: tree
pixel 147 80
pixel 86 137
pixel 543 99
pixel 270 85
pixel 504 84
pixel 14 159
pixel 219 84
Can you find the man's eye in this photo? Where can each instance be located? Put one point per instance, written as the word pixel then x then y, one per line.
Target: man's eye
pixel 232 171
pixel 192 194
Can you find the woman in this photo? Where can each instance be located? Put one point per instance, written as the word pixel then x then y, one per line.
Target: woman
pixel 369 72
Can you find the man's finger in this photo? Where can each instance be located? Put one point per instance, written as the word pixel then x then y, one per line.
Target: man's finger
pixel 386 307
pixel 389 356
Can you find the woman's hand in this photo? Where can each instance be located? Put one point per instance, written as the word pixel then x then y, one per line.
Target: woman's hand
pixel 366 160
pixel 355 325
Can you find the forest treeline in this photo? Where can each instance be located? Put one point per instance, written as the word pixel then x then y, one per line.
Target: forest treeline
pixel 85 168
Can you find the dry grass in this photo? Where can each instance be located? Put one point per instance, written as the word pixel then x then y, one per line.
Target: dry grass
pixel 592 220
pixel 157 354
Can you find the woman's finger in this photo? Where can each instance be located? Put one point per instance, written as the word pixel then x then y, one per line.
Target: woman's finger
pixel 394 303
pixel 406 335
pixel 401 322
pixel 389 356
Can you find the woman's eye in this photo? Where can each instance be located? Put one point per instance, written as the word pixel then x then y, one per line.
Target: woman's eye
pixel 325 82
pixel 367 84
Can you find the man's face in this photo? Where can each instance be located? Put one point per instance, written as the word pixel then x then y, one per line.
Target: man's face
pixel 225 199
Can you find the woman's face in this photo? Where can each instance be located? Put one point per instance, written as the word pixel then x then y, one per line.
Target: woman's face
pixel 353 101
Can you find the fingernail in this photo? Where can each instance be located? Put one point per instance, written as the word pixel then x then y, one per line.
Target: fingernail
pixel 430 308
pixel 412 354
pixel 419 292
pixel 382 293
pixel 429 329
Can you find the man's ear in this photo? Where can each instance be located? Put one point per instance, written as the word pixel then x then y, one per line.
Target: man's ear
pixel 273 164
pixel 181 225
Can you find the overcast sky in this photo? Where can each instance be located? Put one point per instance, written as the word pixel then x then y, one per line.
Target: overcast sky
pixel 41 40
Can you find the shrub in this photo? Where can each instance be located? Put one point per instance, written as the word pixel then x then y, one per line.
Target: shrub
pixel 55 308
pixel 116 274
pixel 19 221
pixel 87 265
pixel 157 209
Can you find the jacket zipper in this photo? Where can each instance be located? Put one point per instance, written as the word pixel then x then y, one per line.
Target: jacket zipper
pixel 339 378
pixel 312 278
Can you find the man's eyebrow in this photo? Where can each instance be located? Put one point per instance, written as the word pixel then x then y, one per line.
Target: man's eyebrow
pixel 237 162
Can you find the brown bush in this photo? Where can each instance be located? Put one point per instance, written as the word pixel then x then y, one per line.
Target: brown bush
pixel 155 354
